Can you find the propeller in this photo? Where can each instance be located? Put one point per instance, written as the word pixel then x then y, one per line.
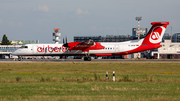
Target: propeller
pixel 63 40
pixel 66 39
pixel 65 44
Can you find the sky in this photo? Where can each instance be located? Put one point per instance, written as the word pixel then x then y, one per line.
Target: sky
pixel 36 19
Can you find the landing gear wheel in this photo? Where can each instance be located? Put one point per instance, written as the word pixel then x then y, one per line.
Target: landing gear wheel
pixel 19 58
pixel 87 58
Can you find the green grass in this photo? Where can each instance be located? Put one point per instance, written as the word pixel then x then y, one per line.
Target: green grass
pixel 87 81
pixel 90 91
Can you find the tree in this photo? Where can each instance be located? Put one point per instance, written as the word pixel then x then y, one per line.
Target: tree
pixel 5 40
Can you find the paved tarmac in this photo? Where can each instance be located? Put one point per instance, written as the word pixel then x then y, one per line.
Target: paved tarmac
pixel 93 61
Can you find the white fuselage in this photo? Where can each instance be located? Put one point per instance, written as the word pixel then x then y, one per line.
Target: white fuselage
pixel 58 49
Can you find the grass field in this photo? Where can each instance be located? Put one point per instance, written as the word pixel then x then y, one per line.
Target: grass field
pixel 87 81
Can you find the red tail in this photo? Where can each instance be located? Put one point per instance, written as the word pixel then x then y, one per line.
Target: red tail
pixel 155 34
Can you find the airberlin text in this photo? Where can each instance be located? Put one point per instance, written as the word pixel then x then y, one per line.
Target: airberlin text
pixel 51 49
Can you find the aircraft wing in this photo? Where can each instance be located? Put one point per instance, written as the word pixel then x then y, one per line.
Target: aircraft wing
pixel 84 46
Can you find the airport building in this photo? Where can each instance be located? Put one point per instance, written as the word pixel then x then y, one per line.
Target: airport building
pixel 142 31
pixel 170 47
pixel 6 50
pixel 169 50
pixel 176 38
pixel 113 38
pixel 107 38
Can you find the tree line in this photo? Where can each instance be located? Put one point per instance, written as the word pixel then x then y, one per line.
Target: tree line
pixel 5 41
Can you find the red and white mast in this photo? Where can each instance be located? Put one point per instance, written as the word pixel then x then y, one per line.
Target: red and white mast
pixel 138 19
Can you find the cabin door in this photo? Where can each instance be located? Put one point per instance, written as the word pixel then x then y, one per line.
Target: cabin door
pixel 35 50
pixel 116 48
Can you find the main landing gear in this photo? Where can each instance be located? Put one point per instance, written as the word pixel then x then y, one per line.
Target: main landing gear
pixel 19 58
pixel 87 58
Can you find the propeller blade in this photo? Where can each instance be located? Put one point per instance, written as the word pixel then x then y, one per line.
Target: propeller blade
pixel 66 39
pixel 65 44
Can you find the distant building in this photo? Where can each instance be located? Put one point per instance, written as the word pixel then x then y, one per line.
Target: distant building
pixel 166 37
pixel 113 38
pixel 6 50
pixel 142 32
pixel 107 38
pixel 176 38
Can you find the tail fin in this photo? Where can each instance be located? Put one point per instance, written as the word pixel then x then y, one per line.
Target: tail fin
pixel 155 34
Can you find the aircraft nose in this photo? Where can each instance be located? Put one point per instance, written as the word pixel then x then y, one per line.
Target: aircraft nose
pixel 14 53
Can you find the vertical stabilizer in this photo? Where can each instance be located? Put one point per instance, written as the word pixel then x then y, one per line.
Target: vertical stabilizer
pixel 155 34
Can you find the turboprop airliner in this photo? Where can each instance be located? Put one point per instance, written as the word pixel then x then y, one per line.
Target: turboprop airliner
pixel 90 48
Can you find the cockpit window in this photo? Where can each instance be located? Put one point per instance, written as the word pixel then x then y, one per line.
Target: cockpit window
pixel 24 47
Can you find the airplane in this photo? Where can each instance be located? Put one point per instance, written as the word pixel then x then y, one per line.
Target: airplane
pixel 90 48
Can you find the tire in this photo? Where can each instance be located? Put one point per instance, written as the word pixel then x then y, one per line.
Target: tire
pixel 85 58
pixel 89 58
pixel 19 58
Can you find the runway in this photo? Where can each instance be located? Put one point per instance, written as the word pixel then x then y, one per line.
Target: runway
pixel 93 61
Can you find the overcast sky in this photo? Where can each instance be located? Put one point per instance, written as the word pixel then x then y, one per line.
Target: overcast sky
pixel 35 19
